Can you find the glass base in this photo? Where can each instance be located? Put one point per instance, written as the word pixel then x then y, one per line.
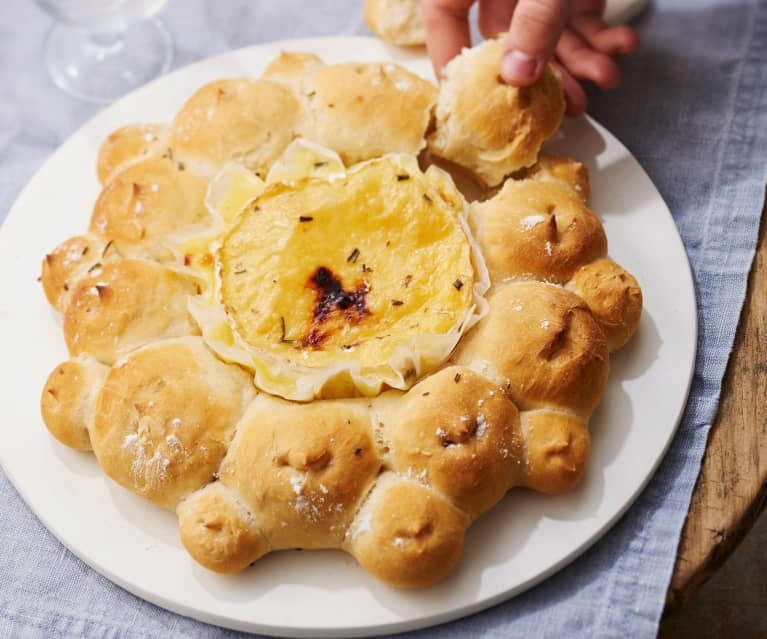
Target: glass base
pixel 103 67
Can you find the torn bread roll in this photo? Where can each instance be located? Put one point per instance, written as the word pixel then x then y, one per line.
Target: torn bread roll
pixel 503 130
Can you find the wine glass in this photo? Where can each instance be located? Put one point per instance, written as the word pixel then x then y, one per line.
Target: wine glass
pixel 101 49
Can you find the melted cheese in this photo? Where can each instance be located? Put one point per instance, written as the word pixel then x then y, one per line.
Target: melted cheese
pixel 232 190
pixel 340 286
pixel 303 159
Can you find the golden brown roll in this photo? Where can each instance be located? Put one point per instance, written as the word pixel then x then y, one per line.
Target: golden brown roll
pixel 303 468
pixel 290 67
pixel 219 531
pixel 458 432
pixel 406 534
pixel 542 343
pixel 165 417
pixel 236 119
pixel 557 447
pixel 561 170
pixel 125 304
pixel 537 230
pixel 69 262
pixel 397 21
pixel 487 125
pixel 358 109
pixel 69 399
pixel 127 145
pixel 614 297
pixel 147 201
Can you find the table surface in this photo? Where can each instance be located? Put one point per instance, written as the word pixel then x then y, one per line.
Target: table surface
pixel 731 490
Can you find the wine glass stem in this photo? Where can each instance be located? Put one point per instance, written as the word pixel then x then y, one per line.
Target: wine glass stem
pixel 104 63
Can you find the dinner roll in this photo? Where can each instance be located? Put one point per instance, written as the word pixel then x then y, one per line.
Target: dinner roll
pixel 406 534
pixel 303 468
pixel 487 125
pixel 148 201
pixel 561 170
pixel 289 69
pixel 238 119
pixel 125 304
pixel 69 399
pixel 614 298
pixel 219 531
pixel 557 447
pixel 540 230
pixel 457 431
pixel 543 345
pixel 165 417
pixel 397 21
pixel 69 262
pixel 127 145
pixel 357 109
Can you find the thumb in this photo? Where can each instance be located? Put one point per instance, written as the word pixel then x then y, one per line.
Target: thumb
pixel 534 31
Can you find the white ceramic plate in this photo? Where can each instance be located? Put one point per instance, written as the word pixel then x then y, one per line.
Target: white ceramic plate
pixel 520 542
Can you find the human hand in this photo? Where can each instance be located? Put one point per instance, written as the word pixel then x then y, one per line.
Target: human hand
pixel 570 33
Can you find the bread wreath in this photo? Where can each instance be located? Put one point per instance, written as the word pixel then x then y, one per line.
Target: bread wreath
pixel 396 479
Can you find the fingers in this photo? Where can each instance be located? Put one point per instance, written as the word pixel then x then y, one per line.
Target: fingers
pixel 447 30
pixel 574 93
pixel 610 41
pixel 583 62
pixel 495 16
pixel 535 28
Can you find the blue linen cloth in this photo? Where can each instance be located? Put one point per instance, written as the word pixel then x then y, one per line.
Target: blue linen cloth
pixel 692 109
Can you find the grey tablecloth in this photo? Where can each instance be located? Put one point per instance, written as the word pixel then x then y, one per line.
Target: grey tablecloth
pixel 693 109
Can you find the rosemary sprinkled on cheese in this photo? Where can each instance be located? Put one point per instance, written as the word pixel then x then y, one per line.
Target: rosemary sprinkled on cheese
pixel 283 339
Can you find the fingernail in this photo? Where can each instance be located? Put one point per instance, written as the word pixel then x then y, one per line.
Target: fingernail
pixel 517 66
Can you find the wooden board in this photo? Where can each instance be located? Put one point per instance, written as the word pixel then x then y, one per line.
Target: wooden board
pixel 732 486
